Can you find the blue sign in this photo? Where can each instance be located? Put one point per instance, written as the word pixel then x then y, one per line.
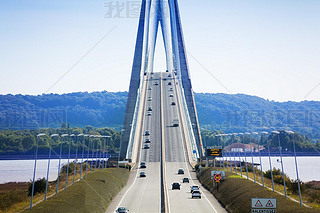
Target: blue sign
pixel 194 152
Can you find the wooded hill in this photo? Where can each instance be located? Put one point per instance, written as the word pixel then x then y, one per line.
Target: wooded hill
pixel 228 113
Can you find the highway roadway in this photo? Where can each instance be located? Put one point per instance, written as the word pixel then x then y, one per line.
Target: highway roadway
pixel 143 194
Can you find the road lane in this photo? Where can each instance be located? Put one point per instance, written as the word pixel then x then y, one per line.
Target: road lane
pixel 180 200
pixel 143 194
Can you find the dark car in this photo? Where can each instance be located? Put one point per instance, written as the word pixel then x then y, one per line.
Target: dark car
pixel 147 132
pixel 122 210
pixel 180 172
pixel 169 75
pixel 156 83
pixel 173 103
pixel 143 165
pixel 146 146
pixel 169 83
pixel 143 174
pixel 175 186
pixel 149 108
pixel 185 180
pixel 148 140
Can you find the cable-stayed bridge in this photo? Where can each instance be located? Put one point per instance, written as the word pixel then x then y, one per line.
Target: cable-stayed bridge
pixel 161 127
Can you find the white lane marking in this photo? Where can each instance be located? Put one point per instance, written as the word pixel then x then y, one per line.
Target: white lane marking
pixel 169 209
pixel 188 167
pixel 202 192
pixel 129 188
pixel 192 179
pixel 138 167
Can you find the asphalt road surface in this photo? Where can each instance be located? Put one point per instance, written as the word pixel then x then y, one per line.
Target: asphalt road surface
pixel 142 194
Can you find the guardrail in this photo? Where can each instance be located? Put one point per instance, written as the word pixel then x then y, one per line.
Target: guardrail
pixel 134 121
pixel 192 139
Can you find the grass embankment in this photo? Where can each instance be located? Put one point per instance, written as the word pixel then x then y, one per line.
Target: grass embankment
pixel 235 193
pixel 91 195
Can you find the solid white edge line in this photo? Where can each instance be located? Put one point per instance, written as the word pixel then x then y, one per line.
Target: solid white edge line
pixel 187 166
pixel 138 167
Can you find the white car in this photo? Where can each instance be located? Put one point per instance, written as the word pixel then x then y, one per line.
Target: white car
pixel 196 193
pixel 194 188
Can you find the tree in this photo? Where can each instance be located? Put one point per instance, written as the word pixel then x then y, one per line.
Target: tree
pixel 28 142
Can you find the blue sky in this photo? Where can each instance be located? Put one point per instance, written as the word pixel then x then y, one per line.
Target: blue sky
pixel 268 48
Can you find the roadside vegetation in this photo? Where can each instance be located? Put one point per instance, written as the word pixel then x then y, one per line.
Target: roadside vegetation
pixel 23 142
pixel 302 142
pixel 91 195
pixel 15 197
pixel 235 193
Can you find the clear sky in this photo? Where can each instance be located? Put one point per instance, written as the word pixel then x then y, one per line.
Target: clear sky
pixel 268 48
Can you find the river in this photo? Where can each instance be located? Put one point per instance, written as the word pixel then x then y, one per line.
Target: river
pixel 22 170
pixel 308 167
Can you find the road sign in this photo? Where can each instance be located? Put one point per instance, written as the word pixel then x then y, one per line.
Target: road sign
pixel 194 151
pixel 221 173
pixel 217 177
pixel 263 211
pixel 214 151
pixel 263 205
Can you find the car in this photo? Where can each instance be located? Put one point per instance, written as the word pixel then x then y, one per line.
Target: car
pixel 170 89
pixel 175 122
pixel 173 103
pixel 149 109
pixel 180 172
pixel 147 132
pixel 167 70
pixel 143 174
pixel 148 140
pixel 175 186
pixel 143 165
pixel 146 146
pixel 164 79
pixel 196 193
pixel 156 83
pixel 149 88
pixel 185 180
pixel 169 83
pixel 149 114
pixel 171 95
pixel 169 75
pixel 194 188
pixel 149 99
pixel 122 210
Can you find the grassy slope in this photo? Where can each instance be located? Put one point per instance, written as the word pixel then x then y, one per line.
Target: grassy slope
pixel 235 194
pixel 91 195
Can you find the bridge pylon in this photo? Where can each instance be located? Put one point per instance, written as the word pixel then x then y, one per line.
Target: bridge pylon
pixel 155 14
